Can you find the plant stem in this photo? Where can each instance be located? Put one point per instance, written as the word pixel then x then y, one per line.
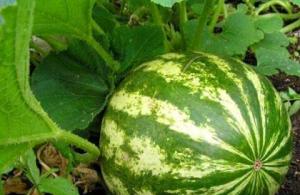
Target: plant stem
pixel 97 28
pixel 284 16
pixel 225 11
pixel 155 14
pixel 291 26
pixel 215 17
pixel 111 63
pixel 208 5
pixel 250 3
pixel 93 151
pixel 268 4
pixel 182 19
pixel 182 15
pixel 275 9
pixel 158 20
pixel 290 16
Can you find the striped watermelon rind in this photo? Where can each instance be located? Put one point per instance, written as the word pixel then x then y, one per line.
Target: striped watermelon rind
pixel 195 124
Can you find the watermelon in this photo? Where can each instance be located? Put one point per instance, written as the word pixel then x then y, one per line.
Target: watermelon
pixel 195 124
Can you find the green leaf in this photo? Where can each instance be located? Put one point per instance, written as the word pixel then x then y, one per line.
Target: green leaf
pixel 32 171
pixel 64 17
pixel 138 44
pixel 57 186
pixel 21 117
pixel 135 4
pixel 294 108
pixel 297 2
pixel 166 3
pixel 9 155
pixel 272 55
pixel 66 152
pixel 269 23
pixel 69 18
pixel 293 94
pixel 105 19
pixel 197 8
pixel 239 32
pixel 23 123
pixel 75 93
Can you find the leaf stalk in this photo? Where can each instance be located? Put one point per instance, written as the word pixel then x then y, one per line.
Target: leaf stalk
pixel 208 5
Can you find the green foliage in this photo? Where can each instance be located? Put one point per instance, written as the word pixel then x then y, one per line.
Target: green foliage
pixel 9 156
pixel 104 18
pixel 271 52
pixel 21 114
pixel 291 101
pixel 30 167
pixel 44 183
pixel 57 186
pixel 269 23
pixel 238 33
pixel 166 3
pixel 71 17
pixel 77 89
pixel 296 2
pixel 137 44
pixel 272 55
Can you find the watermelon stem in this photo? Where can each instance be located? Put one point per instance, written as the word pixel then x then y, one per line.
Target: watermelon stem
pixel 257 165
pixel 215 17
pixel 159 21
pixel 182 18
pixel 92 151
pixel 208 5
pixel 286 5
pixel 110 62
pixel 291 26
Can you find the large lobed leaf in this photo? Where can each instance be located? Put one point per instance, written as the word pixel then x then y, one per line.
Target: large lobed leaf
pixel 76 83
pixel 65 17
pixel 137 44
pixel 271 52
pixel 297 2
pixel 23 122
pixel 21 118
pixel 238 33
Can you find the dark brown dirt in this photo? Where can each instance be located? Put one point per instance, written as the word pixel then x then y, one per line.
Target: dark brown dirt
pixel 291 185
pixel 282 82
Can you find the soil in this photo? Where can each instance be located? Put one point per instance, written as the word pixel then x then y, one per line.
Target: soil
pixel 291 185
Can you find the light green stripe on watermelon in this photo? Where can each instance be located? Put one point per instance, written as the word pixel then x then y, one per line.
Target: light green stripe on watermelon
pixel 276 148
pixel 173 72
pixel 261 98
pixel 227 69
pixel 237 184
pixel 115 183
pixel 144 192
pixel 152 158
pixel 195 124
pixel 270 182
pixel 117 137
pixel 170 115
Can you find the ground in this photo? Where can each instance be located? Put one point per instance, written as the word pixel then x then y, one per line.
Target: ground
pixel 291 186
